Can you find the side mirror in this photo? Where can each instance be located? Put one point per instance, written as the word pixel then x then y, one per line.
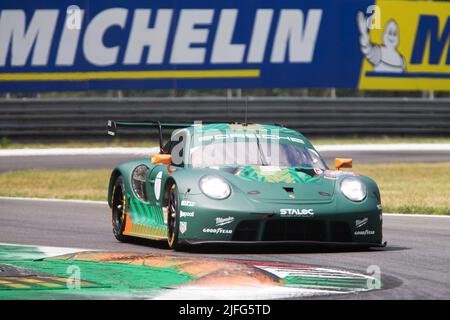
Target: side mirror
pixel 343 163
pixel 161 158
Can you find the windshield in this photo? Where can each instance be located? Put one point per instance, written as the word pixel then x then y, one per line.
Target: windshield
pixel 254 153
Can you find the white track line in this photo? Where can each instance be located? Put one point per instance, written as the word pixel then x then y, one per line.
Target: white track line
pixel 49 251
pixel 416 215
pixel 266 292
pixel 388 147
pixel 105 203
pixel 55 200
pixel 77 151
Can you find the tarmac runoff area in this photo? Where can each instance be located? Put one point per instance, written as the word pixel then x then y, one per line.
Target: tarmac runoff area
pixel 414 265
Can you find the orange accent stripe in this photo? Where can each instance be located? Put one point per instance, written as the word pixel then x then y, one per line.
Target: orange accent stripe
pixel 128 225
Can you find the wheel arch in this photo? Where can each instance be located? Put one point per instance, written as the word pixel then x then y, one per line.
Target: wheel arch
pixel 170 181
pixel 112 180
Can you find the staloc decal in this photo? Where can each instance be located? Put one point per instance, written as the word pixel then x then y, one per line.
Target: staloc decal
pixel 297 212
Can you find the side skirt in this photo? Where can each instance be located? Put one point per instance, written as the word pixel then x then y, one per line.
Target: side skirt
pixel 144 231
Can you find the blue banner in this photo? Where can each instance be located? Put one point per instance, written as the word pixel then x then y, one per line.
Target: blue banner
pixel 92 45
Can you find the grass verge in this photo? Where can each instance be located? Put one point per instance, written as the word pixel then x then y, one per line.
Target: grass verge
pixel 411 187
pixel 406 188
pixel 59 184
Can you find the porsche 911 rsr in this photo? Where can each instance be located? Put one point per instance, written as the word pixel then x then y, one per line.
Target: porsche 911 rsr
pixel 241 183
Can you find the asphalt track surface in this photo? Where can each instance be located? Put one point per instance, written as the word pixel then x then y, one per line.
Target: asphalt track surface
pixel 110 161
pixel 414 265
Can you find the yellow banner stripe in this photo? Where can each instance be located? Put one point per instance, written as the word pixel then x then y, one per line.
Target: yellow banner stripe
pixel 112 75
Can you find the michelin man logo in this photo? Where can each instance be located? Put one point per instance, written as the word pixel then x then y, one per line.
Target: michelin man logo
pixel 385 57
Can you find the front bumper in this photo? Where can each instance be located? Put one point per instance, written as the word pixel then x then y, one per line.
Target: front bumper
pixel 208 221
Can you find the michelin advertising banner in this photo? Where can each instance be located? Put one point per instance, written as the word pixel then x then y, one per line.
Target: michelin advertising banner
pixel 48 45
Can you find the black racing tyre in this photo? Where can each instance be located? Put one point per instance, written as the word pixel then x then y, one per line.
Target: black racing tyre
pixel 119 203
pixel 173 218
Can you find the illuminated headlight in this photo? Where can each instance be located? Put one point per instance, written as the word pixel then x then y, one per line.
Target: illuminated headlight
pixel 353 189
pixel 215 187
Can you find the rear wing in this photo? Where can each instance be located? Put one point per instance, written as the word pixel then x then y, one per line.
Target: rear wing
pixel 114 125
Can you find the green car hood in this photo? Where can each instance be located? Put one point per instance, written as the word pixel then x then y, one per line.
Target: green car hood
pixel 279 184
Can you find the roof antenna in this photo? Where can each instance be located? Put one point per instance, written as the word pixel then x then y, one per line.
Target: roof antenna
pixel 228 111
pixel 246 110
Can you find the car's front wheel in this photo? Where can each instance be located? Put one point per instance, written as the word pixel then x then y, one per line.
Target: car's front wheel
pixel 173 218
pixel 119 209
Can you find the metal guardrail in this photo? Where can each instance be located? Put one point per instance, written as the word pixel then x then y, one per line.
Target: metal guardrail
pixel 85 119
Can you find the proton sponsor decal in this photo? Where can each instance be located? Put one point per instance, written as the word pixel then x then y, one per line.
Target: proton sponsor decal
pixel 360 223
pixel 186 214
pixel 217 231
pixel 334 174
pixel 223 221
pixel 157 186
pixel 183 227
pixel 364 233
pixel 297 212
pixel 187 203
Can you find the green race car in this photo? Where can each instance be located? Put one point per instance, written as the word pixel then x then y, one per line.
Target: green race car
pixel 240 183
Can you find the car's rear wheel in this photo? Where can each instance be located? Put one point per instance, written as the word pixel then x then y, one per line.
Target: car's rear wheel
pixel 119 203
pixel 173 218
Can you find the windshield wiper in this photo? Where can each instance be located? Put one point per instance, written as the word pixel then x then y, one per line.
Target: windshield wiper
pixel 261 154
pixel 308 170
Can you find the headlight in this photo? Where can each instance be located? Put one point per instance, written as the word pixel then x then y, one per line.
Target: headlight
pixel 138 178
pixel 353 189
pixel 215 187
